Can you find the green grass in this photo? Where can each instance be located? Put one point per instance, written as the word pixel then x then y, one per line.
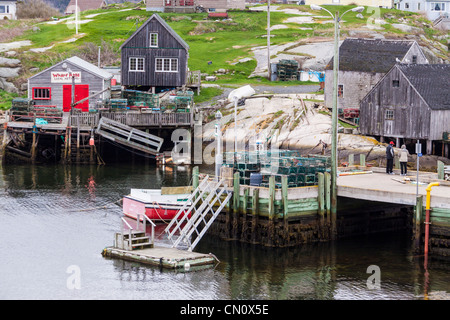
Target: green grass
pixel 207 94
pixel 6 98
pixel 213 45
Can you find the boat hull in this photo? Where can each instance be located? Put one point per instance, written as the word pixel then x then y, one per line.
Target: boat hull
pixel 154 210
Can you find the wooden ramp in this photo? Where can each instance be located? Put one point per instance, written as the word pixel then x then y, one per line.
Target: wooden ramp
pixel 203 206
pixel 129 136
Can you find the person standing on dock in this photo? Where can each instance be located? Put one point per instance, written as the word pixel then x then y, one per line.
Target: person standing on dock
pixel 390 158
pixel 403 160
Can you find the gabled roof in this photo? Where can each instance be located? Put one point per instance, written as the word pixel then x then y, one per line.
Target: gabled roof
pixel 370 55
pixel 85 5
pixel 165 25
pixel 431 81
pixel 82 64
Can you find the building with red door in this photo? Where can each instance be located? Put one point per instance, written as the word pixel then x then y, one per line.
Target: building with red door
pixel 54 86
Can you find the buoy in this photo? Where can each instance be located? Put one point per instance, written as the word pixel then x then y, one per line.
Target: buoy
pixel 91 141
pixel 187 266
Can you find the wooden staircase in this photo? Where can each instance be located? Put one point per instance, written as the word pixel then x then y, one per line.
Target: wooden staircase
pixel 134 240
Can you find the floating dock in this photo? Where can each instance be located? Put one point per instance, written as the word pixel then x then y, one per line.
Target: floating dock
pixel 170 258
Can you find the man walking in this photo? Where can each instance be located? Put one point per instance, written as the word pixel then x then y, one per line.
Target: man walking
pixel 389 158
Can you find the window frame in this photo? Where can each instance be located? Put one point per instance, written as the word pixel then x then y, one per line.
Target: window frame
pixel 136 64
pixel 151 40
pixel 162 64
pixel 389 114
pixel 40 96
pixel 441 8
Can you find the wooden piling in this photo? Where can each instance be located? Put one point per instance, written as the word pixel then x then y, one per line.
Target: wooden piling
pixel 417 222
pixel 270 225
pixel 440 169
pixel 362 160
pixel 255 210
pixel 284 195
pixel 236 196
pixel 351 159
pixel 34 146
pixel 321 200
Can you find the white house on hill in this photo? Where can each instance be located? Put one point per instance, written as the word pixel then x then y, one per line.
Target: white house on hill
pixel 8 9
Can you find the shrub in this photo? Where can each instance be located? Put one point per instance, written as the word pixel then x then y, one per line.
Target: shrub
pixel 31 9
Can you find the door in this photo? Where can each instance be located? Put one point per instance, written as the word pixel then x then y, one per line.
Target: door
pixel 81 92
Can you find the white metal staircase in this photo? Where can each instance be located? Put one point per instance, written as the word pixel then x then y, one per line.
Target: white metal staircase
pixel 201 209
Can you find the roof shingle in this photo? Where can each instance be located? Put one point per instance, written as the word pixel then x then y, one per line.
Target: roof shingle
pixel 370 55
pixel 432 81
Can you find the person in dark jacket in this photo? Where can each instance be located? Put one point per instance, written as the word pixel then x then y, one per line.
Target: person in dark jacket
pixel 390 158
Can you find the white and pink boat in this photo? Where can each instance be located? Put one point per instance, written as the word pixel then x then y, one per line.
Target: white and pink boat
pixel 154 204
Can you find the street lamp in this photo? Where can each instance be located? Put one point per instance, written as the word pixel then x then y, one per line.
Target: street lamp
pixel 334 114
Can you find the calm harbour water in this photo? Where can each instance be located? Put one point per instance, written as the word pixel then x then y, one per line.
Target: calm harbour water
pixel 55 218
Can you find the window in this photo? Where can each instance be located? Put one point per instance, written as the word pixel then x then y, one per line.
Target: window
pixel 389 115
pixel 437 6
pixel 414 59
pixel 418 7
pixel 153 40
pixel 42 93
pixel 396 83
pixel 340 90
pixel 136 64
pixel 166 65
pixel 4 9
pixel 406 5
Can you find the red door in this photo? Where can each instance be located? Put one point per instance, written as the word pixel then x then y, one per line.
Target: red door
pixel 81 92
pixel 67 97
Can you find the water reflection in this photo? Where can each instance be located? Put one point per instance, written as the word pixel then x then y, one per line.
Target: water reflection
pixel 69 214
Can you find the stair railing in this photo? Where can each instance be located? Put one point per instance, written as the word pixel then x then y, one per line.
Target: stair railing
pixel 144 219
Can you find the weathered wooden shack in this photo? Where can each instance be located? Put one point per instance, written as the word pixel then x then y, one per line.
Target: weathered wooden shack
pixel 53 86
pixel 155 56
pixel 193 5
pixel 411 101
pixel 362 63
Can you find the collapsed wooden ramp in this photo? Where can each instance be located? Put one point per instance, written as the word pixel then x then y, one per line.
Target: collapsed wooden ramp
pixel 129 136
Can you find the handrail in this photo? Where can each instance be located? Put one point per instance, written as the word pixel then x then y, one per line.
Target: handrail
pixel 144 228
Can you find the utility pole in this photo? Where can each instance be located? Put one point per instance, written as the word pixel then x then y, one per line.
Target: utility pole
pixel 268 39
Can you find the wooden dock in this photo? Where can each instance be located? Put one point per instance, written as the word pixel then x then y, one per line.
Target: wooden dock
pixel 169 258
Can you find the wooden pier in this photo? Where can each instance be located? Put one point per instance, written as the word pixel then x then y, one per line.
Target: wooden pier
pixel 74 137
pixel 369 201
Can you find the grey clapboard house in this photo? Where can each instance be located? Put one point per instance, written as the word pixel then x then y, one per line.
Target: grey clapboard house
pixel 53 86
pixel 155 56
pixel 362 63
pixel 411 102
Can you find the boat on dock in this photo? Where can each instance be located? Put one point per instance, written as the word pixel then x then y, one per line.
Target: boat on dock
pixel 157 204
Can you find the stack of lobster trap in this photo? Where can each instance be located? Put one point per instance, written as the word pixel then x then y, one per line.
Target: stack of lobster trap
pixel 255 168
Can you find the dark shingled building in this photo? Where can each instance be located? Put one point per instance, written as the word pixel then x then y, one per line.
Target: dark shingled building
pixel 362 63
pixel 411 102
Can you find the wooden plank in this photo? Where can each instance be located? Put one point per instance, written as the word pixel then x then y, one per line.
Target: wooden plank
pixel 170 258
pixel 176 190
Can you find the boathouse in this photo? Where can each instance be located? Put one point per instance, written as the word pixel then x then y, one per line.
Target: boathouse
pixel 154 57
pixel 54 86
pixel 411 102
pixel 362 63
